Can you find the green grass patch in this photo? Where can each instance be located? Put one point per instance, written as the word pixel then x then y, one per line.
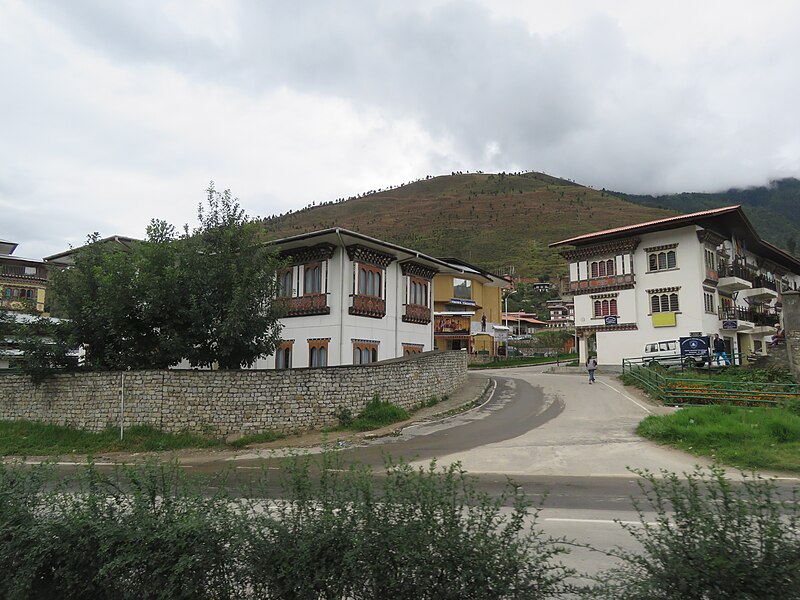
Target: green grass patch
pixel 31 438
pixel 375 415
pixel 518 362
pixel 744 437
pixel 256 438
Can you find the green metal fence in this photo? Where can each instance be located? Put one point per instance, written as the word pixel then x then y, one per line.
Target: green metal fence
pixel 684 391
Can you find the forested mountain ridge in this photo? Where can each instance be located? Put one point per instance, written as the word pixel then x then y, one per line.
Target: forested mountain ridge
pixel 504 222
pixel 774 210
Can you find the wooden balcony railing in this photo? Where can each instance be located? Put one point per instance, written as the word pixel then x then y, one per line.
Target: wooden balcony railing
pixel 586 286
pixel 303 306
pixel 368 306
pixel 416 313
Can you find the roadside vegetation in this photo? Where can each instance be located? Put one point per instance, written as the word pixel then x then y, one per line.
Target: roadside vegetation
pixel 731 428
pixel 704 537
pixel 30 438
pixel 378 413
pixel 743 437
pixel 522 361
pixel 328 530
pixel 334 532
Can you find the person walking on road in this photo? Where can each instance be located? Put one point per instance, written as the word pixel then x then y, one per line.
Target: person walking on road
pixel 591 365
pixel 719 350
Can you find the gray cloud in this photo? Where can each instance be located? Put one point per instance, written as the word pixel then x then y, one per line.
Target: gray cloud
pixel 472 90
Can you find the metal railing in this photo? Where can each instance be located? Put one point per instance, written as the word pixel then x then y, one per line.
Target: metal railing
pixel 754 277
pixel 758 317
pixel 685 391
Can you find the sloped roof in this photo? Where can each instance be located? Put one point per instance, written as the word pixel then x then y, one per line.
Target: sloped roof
pixel 726 220
pixel 650 226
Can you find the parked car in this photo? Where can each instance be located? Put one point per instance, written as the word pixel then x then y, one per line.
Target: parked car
pixel 667 353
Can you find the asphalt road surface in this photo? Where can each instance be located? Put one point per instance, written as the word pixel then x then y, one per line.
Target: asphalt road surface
pixel 567 443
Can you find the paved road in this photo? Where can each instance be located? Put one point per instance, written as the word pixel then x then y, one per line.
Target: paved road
pixel 564 441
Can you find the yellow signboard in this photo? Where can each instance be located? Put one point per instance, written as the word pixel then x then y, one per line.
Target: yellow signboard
pixel 665 319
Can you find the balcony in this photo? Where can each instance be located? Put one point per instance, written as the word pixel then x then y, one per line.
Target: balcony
pixel 368 306
pixel 733 278
pixel 416 313
pixel 750 320
pixel 304 306
pixel 764 290
pixel 587 286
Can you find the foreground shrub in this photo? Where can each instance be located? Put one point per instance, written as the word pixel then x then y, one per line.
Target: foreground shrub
pixel 421 534
pixel 330 532
pixel 712 539
pixel 140 533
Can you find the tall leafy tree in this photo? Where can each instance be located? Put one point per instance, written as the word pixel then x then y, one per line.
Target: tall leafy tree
pixel 206 296
pixel 230 279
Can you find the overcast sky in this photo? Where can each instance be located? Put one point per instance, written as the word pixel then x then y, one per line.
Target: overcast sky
pixel 116 112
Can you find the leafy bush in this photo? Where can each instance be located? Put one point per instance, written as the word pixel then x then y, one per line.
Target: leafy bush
pixel 150 532
pixel 712 539
pixel 377 414
pixel 345 417
pixel 424 534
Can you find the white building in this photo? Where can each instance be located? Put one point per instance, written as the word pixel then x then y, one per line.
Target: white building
pixel 707 272
pixel 352 299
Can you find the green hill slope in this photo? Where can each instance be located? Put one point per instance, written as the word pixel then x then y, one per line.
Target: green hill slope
pixel 773 210
pixel 495 221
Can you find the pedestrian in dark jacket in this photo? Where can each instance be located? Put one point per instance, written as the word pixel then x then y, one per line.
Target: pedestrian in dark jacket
pixel 719 350
pixel 591 365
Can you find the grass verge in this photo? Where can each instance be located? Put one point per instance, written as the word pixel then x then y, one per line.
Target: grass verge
pixel 744 437
pixel 519 362
pixel 375 415
pixel 29 438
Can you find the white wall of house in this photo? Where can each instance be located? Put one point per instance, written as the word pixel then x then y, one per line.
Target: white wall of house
pixel 686 279
pixel 341 328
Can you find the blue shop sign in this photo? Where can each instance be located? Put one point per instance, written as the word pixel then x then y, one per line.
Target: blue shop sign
pixel 695 346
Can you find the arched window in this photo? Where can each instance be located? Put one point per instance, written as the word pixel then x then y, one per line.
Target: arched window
pixel 598 310
pixel 312 361
pixel 371 283
pixel 609 267
pixel 365 356
pixel 659 261
pixel 312 282
pixel 613 306
pixel 673 302
pixel 374 355
pixel 283 356
pixel 362 282
pixel 594 269
pixel 671 259
pixel 602 268
pixel 654 304
pixel 285 284
pixel 377 289
pixel 664 303
pixel 356 356
pixel 323 357
pixel 605 308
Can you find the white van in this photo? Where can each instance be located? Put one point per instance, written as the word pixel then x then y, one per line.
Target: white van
pixel 668 353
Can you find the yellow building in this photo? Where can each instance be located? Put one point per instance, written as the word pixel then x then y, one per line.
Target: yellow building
pixel 467 309
pixel 23 281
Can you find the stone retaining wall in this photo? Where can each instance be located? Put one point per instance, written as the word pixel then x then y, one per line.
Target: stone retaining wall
pixel 225 402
